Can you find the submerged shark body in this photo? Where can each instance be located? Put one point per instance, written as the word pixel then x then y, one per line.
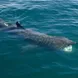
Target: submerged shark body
pixel 51 41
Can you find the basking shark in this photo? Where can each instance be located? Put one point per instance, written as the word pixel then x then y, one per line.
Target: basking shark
pixel 60 43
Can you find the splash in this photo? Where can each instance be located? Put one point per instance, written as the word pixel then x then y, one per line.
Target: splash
pixel 68 48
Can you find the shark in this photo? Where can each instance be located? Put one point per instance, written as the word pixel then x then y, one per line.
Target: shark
pixel 56 42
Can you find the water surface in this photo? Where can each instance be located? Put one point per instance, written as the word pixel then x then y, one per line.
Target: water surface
pixel 20 59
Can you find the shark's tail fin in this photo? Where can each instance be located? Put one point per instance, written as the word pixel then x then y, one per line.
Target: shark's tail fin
pixel 19 25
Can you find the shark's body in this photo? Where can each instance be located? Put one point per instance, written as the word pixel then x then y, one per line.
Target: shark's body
pixel 40 38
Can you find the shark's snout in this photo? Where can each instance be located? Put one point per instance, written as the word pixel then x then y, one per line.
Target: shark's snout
pixel 71 42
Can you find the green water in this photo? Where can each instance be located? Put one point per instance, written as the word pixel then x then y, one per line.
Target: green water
pixel 20 59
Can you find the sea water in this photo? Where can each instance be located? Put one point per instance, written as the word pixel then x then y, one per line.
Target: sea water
pixel 22 59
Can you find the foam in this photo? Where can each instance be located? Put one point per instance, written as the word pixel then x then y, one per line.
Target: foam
pixel 68 48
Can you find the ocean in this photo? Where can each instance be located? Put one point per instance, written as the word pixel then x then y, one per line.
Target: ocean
pixel 21 59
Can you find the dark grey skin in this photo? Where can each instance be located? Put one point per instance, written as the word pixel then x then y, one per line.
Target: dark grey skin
pixel 36 37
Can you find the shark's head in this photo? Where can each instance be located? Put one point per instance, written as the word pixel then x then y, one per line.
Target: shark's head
pixel 69 45
pixel 64 44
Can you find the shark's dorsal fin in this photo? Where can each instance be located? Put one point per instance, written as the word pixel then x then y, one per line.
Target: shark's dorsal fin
pixel 19 25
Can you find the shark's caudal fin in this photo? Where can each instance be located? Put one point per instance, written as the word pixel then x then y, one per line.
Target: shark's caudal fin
pixel 19 25
pixel 3 23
